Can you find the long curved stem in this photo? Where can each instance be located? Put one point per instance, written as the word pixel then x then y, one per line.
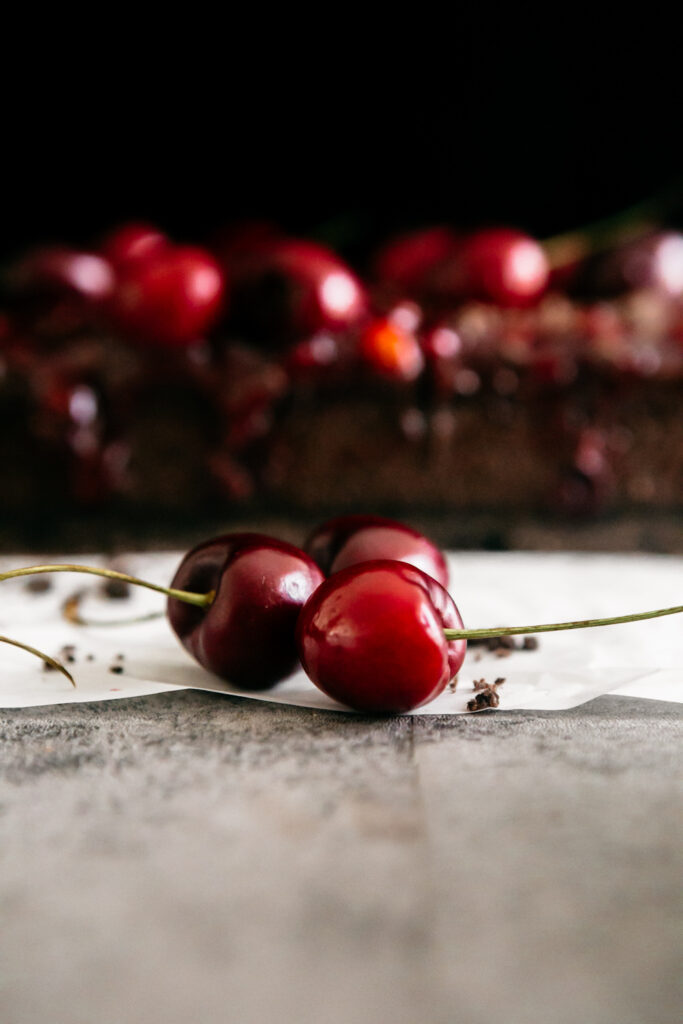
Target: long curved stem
pixel 52 662
pixel 71 611
pixel 553 627
pixel 187 596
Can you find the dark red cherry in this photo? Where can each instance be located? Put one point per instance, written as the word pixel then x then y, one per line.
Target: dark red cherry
pixel 290 289
pixel 349 540
pixel 498 265
pixel 58 271
pixel 132 241
pixel 172 297
pixel 407 261
pixel 390 350
pixel 652 262
pixel 371 637
pixel 247 635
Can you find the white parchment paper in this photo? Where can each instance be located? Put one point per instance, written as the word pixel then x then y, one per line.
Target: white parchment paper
pixel 491 589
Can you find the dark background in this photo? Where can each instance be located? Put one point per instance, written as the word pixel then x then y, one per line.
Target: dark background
pixel 336 130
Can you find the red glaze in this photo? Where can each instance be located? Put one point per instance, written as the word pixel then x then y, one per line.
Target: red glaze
pixel 349 540
pixel 406 262
pixel 391 351
pixel 501 265
pixel 170 298
pixel 247 635
pixel 291 288
pixel 133 242
pixel 371 637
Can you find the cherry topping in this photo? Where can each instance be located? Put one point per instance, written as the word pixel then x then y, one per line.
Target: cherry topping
pixel 60 271
pixel 371 637
pixel 391 351
pixel 408 260
pixel 171 297
pixel 501 265
pixel 290 289
pixel 133 242
pixel 349 540
pixel 247 634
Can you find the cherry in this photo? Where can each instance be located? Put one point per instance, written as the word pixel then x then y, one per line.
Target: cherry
pixel 171 297
pixel 290 289
pixel 655 261
pixel 372 637
pixel 246 635
pixel 498 265
pixel 407 261
pixel 58 271
pixel 349 540
pixel 132 241
pixel 391 350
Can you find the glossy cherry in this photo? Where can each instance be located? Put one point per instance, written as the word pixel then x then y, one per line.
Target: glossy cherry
pixel 407 261
pixel 498 265
pixel 132 241
pixel 59 271
pixel 350 540
pixel 290 289
pixel 247 634
pixel 171 297
pixel 371 637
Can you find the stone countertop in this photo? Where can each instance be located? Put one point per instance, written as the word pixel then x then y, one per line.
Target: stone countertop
pixel 190 857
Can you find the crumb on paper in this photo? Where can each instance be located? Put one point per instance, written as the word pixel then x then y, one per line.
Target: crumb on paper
pixel 530 643
pixel 116 669
pixel 486 694
pixel 453 685
pixel 116 590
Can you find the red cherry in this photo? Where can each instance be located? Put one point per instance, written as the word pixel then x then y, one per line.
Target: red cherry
pixel 408 260
pixel 652 262
pixel 132 242
pixel 371 637
pixel 170 298
pixel 391 351
pixel 247 634
pixel 498 265
pixel 60 271
pixel 289 289
pixel 349 540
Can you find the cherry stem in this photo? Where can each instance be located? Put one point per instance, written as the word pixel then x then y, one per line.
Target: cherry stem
pixel 627 225
pixel 188 597
pixel 553 627
pixel 52 662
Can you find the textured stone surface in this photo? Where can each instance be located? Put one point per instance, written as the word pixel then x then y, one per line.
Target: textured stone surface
pixel 190 857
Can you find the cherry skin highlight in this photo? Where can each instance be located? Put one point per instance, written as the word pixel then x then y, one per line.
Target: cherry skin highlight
pixel 350 540
pixel 247 634
pixel 371 637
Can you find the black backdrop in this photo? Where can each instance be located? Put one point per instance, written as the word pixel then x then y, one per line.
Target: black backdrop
pixel 341 132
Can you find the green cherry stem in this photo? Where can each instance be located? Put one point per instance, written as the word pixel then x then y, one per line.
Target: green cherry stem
pixel 187 596
pixel 52 662
pixel 553 627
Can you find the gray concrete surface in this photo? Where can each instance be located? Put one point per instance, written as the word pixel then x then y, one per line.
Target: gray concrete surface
pixel 195 858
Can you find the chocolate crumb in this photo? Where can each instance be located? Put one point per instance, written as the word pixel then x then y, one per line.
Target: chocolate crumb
pixel 496 642
pixel 47 667
pixel 90 657
pixel 530 643
pixel 39 584
pixel 116 669
pixel 499 681
pixel 452 686
pixel 479 684
pixel 116 589
pixel 487 698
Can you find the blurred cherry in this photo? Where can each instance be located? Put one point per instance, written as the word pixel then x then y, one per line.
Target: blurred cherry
pixel 500 265
pixel 407 261
pixel 132 241
pixel 170 298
